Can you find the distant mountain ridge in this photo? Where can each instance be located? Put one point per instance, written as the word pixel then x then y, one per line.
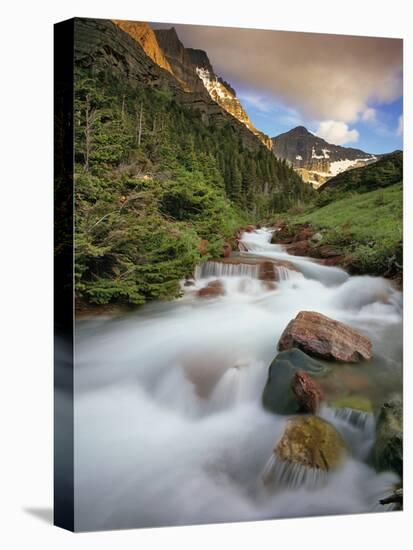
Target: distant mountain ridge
pixel 387 171
pixel 314 158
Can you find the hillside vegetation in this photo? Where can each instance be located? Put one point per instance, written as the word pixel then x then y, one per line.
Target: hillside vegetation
pixel 361 212
pixel 152 182
pixel 386 171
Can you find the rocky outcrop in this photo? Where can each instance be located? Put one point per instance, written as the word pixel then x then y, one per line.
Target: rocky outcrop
pixel 212 290
pixel 307 392
pixel 193 67
pixel 101 45
pixel 388 449
pixel 315 159
pixel 145 36
pixel 301 240
pixel 279 395
pixel 312 442
pixel 326 338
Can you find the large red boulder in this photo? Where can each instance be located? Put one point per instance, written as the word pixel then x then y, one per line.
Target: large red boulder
pixel 326 338
pixel 308 393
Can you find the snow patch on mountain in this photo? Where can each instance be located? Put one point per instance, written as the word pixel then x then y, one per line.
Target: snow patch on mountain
pixel 339 166
pixel 213 85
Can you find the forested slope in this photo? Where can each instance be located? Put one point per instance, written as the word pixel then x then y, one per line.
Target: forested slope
pixel 155 179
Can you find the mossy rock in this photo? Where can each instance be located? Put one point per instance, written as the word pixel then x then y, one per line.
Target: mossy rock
pixel 388 449
pixel 356 402
pixel 278 396
pixel 311 442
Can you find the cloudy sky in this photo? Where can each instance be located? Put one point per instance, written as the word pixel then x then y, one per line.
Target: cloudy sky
pixel 347 89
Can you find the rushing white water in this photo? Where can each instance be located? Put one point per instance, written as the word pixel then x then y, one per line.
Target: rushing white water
pixel 169 426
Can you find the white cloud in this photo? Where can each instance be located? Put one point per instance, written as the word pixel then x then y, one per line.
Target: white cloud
pixel 255 100
pixel 369 115
pixel 322 76
pixel 399 130
pixel 337 132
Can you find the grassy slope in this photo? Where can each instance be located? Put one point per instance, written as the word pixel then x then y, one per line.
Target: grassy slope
pixel 367 226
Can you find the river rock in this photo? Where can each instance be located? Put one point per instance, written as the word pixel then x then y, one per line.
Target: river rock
pixel 298 248
pixel 311 442
pixel 304 232
pixel 307 392
pixel 316 238
pixel 269 285
pixel 227 250
pixel 212 290
pixel 278 395
pixel 326 338
pixel 388 448
pixel 282 235
pixel 268 271
pixel 328 251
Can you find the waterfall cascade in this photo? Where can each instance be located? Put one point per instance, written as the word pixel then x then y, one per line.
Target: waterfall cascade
pixel 168 408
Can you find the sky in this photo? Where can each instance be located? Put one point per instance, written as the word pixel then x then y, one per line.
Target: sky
pixel 346 89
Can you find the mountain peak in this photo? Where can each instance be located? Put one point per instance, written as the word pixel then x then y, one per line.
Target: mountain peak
pixel 300 130
pixel 315 159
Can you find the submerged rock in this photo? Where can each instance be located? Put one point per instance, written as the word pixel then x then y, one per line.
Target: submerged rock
pixel 268 271
pixel 312 442
pixel 394 500
pixel 326 338
pixel 388 449
pixel 278 395
pixel 212 290
pixel 308 393
pixel 355 402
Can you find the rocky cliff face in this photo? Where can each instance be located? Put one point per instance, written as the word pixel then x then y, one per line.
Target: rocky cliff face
pixel 145 36
pixel 102 44
pixel 315 159
pixel 194 68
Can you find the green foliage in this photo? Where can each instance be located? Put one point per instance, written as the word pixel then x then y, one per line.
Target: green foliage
pixel 152 181
pixel 368 226
pixel 387 171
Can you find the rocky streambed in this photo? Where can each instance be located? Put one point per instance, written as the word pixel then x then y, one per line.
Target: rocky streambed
pixel 270 389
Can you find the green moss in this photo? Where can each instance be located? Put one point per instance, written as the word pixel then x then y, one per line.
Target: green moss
pixel 311 441
pixel 357 402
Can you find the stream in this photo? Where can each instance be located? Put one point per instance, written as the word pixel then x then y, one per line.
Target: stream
pixel 169 425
